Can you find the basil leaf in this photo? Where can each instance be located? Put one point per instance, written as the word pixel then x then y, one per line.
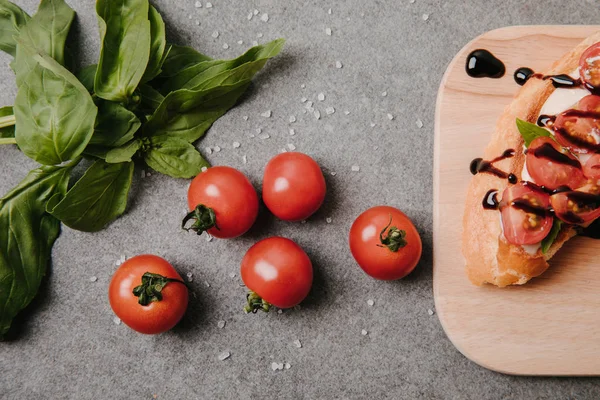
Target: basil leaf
pixel 123 153
pixel 12 19
pixel 55 114
pixel 150 99
pixel 46 32
pixel 208 74
pixel 530 131
pixel 86 77
pixel 179 58
pixel 174 157
pixel 125 37
pixel 96 199
pixel 158 44
pixel 115 125
pixel 7 131
pixel 187 114
pixel 27 234
pixel 548 240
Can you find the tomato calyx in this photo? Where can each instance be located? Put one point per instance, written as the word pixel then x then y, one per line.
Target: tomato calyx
pixel 394 239
pixel 151 288
pixel 255 303
pixel 204 219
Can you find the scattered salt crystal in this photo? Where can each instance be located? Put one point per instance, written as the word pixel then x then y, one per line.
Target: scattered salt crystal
pixel 330 110
pixel 333 173
pixel 93 279
pixel 288 366
pixel 203 169
pixel 383 94
pixel 297 343
pixel 303 99
pixel 240 42
pixel 221 324
pixel 249 16
pixel 209 238
pixel 198 23
pixel 292 119
pixel 419 123
pixel 308 104
pixel 370 302
pixel 321 96
pixel 373 124
pixel 411 1
pixel 280 311
pixel 225 46
pixel 328 31
pixel 209 5
pixel 224 356
pixel 245 118
pixel 215 34
pixel 258 130
pixel 189 274
pixel 266 114
pixel 303 86
pixel 117 320
pixel 232 274
pixel 291 147
pixel 264 17
pixel 328 220
pixel 276 366
pixel 430 312
pixel 329 11
pixel 244 159
pixel 390 116
pixel 198 4
pixel 375 147
pixel 292 132
pixel 148 174
pixel 264 136
pixel 217 149
pixel 255 12
pixel 355 168
pixel 254 43
pixel 317 114
pixel 338 64
pixel 425 17
pixel 259 35
pixel 208 150
pixel 207 284
pixel 236 145
pixel 364 332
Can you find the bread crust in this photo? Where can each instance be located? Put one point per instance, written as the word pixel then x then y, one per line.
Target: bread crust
pixel 489 257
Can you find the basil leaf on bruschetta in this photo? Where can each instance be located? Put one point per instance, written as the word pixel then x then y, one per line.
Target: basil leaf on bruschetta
pixel 548 240
pixel 530 131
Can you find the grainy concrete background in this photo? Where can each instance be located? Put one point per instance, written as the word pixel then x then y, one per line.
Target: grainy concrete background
pixel 68 345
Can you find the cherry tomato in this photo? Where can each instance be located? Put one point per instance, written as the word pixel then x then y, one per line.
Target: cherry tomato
pixel 550 166
pixel 589 67
pixel 278 272
pixel 525 219
pixel 576 207
pixel 385 243
pixel 223 203
pixel 577 132
pixel 591 168
pixel 293 186
pixel 165 295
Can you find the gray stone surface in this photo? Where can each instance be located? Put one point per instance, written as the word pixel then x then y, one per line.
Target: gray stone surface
pixel 68 345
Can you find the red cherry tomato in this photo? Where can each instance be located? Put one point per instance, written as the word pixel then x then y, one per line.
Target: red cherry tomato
pixel 520 222
pixel 576 207
pixel 223 203
pixel 589 67
pixel 278 272
pixel 580 133
pixel 550 166
pixel 591 168
pixel 158 315
pixel 385 243
pixel 293 186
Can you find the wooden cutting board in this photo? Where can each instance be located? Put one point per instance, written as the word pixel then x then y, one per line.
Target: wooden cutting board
pixel 550 326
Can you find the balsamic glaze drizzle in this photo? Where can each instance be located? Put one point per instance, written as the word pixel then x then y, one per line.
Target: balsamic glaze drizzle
pixel 483 64
pixel 523 74
pixel 548 152
pixel 480 165
pixel 490 200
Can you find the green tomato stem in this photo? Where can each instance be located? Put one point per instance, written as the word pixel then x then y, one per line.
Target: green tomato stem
pixel 255 303
pixel 7 141
pixel 8 120
pixel 151 288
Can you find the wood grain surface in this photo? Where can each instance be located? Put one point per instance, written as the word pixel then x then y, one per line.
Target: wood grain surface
pixel 550 326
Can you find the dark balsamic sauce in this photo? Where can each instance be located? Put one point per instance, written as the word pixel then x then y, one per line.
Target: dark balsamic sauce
pixel 529 208
pixel 479 165
pixel 548 152
pixel 523 74
pixel 483 64
pixel 546 120
pixel 490 201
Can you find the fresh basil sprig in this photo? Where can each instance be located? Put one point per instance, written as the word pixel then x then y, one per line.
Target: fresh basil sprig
pixel 530 131
pixel 548 240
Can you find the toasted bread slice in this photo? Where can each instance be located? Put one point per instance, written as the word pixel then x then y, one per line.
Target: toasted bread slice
pixel 489 257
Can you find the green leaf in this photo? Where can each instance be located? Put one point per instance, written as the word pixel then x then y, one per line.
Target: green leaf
pixel 174 157
pixel 530 131
pixel 180 58
pixel 150 99
pixel 209 74
pixel 123 153
pixel 12 19
pixel 125 37
pixel 115 125
pixel 86 77
pixel 27 234
pixel 96 199
pixel 158 44
pixel 187 114
pixel 46 33
pixel 7 131
pixel 55 114
pixel 548 240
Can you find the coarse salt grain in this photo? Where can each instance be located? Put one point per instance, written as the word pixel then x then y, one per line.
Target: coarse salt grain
pixel 259 34
pixel 255 12
pixel 266 114
pixel 346 112
pixel 254 43
pixel 217 149
pixel 370 302
pixel 225 46
pixel 317 114
pixel 208 5
pixel 117 320
pixel 308 104
pixel 240 42
pixel 364 332
pixel 203 169
pixel 221 324
pixel 333 173
pixel 430 312
pixel 207 284
pixel 321 96
pixel 250 16
pixel 198 23
pixel 93 279
pixel 198 4
pixel 355 168
pixel 236 145
pixel 245 118
pixel 208 150
pixel 215 34
pixel 291 146
pixel 264 136
pixel 373 124
pixel 292 119
pixel 297 343
pixel 258 130
pixel 329 11
pixel 264 17
pixel 425 17
pixel 338 64
pixel 383 94
pixel 280 311
pixel 244 159
pixel 419 123
pixel 288 365
pixel 390 116
pixel 328 220
pixel 224 356
pixel 330 110
pixel 209 238
pixel 292 132
pixel 232 275
pixel 328 31
pixel 303 99
pixel 303 86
